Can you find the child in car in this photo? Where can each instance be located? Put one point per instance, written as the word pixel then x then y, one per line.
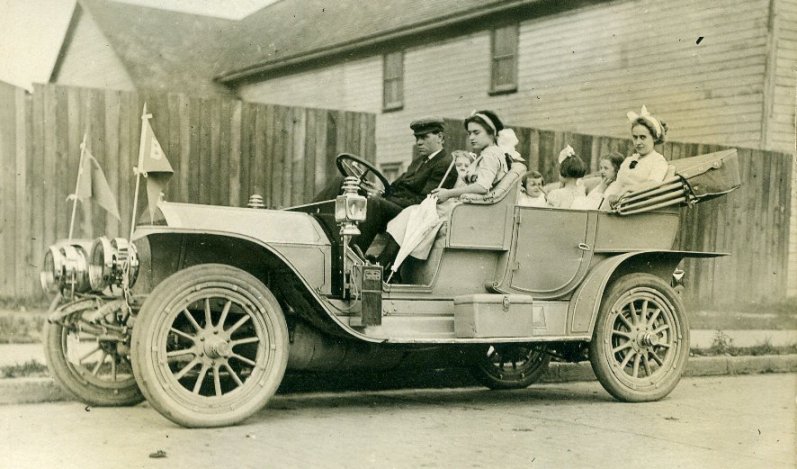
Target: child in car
pixel 571 170
pixel 531 193
pixel 462 160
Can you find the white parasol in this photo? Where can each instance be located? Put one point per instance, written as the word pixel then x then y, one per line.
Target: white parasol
pixel 419 222
pixel 422 220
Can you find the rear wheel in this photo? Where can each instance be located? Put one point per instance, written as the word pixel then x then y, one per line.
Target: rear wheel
pixel 641 340
pixel 210 346
pixel 510 366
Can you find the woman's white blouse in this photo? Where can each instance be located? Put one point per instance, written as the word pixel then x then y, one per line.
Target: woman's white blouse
pixel 651 167
pixel 488 168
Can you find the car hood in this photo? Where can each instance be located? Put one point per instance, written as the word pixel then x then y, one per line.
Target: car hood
pixel 274 226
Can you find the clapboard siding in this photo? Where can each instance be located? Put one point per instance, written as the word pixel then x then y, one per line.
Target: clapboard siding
pixel 89 52
pixel 222 151
pixel 358 84
pixel 579 70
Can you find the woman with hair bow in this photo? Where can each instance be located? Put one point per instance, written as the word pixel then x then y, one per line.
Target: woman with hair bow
pixel 485 130
pixel 646 164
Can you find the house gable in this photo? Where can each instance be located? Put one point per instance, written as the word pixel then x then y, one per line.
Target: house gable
pixel 157 49
pixel 86 51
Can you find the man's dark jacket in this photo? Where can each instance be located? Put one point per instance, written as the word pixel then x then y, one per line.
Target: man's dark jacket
pixel 423 176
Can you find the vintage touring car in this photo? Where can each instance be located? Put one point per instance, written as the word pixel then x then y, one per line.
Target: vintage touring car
pixel 204 311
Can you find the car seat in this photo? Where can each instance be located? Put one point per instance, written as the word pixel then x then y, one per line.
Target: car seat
pixel 423 272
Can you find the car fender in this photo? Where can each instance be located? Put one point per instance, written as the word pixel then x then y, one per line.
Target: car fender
pixel 584 305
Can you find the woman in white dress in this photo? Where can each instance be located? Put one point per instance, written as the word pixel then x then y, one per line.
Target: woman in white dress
pixel 646 164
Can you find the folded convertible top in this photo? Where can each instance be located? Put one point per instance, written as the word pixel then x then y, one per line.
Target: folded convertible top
pixel 689 181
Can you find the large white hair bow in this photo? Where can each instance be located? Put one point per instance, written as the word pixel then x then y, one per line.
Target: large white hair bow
pixel 507 141
pixel 644 114
pixel 566 152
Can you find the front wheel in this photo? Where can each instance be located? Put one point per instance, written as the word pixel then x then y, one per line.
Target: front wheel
pixel 210 346
pixel 641 340
pixel 87 353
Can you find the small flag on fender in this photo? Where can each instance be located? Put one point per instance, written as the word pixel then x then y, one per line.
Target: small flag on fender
pixel 154 166
pixel 93 185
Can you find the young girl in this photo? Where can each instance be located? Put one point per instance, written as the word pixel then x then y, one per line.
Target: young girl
pixel 608 167
pixel 462 160
pixel 570 171
pixel 531 193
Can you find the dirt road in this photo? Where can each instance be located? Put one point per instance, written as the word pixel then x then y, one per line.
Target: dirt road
pixel 726 422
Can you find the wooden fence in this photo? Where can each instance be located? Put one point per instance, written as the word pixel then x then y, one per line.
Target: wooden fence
pixel 222 150
pixel 751 223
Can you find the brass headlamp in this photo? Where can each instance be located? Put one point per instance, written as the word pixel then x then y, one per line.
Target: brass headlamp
pixel 350 207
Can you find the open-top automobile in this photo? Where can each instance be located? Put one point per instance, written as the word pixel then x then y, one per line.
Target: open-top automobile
pixel 206 308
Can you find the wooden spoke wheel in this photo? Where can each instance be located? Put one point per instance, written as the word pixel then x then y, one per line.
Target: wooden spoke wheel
pixel 510 366
pixel 210 346
pixel 641 340
pixel 88 353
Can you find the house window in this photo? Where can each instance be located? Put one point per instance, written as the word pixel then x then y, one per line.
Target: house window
pixel 504 52
pixel 391 171
pixel 394 81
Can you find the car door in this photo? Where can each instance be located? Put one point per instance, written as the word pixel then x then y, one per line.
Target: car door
pixel 551 250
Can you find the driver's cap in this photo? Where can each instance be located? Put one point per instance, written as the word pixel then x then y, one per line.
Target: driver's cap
pixel 427 125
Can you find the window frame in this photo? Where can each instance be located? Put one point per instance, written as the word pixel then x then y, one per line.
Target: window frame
pixel 395 168
pixel 504 88
pixel 387 80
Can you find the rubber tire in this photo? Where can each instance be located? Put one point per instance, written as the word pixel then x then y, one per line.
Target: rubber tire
pixel 168 294
pixel 601 356
pixel 485 372
pixel 73 383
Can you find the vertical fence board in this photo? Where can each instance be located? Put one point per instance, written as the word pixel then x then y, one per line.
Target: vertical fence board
pixel 321 157
pixel 216 180
pixel 7 188
pixel 286 154
pixel 299 131
pixel 310 135
pixel 21 236
pixel 111 169
pixel 234 166
pixel 223 123
pixel 247 124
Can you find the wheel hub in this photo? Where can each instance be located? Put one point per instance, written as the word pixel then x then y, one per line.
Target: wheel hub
pixel 217 348
pixel 647 339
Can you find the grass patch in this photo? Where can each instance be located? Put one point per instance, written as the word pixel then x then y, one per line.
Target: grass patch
pixel 730 319
pixel 722 345
pixel 29 369
pixel 21 328
pixel 25 304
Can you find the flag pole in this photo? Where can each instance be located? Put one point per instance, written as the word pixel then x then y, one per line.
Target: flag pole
pixel 137 169
pixel 77 186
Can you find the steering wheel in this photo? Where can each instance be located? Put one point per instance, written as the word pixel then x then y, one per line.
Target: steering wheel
pixel 353 165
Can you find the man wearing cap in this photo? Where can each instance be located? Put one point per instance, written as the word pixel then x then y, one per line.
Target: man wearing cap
pixel 423 175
